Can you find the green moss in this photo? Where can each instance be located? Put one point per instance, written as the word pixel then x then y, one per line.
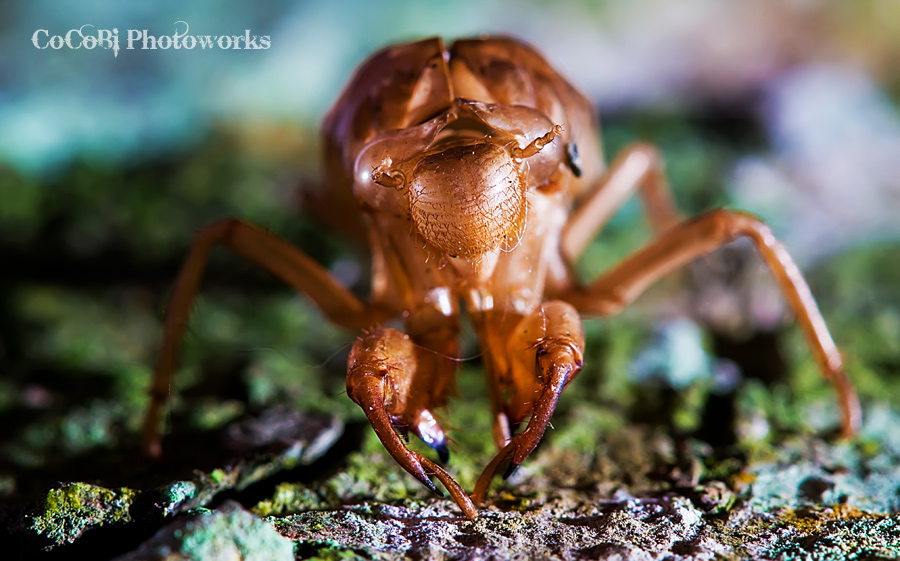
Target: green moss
pixel 69 510
pixel 229 532
pixel 215 534
pixel 19 213
pixel 372 475
pixel 212 413
pixel 78 334
pixel 836 532
pixel 96 425
pixel 174 495
pixel 290 498
pixel 217 475
pixel 583 426
pixel 335 553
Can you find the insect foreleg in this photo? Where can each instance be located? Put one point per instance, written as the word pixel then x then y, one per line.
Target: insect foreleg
pixel 380 374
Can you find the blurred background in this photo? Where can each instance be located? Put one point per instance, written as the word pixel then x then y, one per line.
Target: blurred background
pixel 109 162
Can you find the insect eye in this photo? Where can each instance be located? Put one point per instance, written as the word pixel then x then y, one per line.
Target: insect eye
pixel 573 159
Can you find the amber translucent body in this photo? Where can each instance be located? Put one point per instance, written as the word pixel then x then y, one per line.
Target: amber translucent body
pixel 474 171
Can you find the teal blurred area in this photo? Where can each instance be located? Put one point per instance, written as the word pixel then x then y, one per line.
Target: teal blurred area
pixel 59 104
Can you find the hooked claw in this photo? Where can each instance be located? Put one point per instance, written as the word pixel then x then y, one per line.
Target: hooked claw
pixel 558 365
pixel 417 465
pixel 510 469
pixel 378 362
pixel 369 394
pixel 484 480
pixel 459 495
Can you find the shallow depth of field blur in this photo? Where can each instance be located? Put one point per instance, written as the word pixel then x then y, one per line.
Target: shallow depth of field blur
pixel 109 164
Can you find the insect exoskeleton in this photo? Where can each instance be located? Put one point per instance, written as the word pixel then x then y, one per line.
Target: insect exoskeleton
pixel 481 157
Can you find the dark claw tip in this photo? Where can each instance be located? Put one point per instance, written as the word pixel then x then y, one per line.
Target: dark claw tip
pixel 431 486
pixel 511 469
pixel 443 453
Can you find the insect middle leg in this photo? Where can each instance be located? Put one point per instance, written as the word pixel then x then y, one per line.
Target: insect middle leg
pixel 271 253
pixel 694 238
pixel 638 168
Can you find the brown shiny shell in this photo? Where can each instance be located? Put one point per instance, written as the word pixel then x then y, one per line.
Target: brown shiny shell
pixel 467 200
pixel 406 85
